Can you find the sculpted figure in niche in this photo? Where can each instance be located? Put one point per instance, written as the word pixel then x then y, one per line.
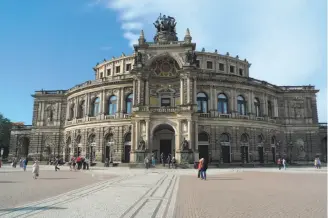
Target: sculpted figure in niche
pixel 142 145
pixel 185 145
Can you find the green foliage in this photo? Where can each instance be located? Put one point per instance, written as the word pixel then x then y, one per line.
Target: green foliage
pixel 5 128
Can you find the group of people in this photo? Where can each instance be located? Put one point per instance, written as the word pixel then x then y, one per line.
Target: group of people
pixel 202 168
pixel 22 163
pixel 281 163
pixel 317 163
pixel 79 163
pixel 151 161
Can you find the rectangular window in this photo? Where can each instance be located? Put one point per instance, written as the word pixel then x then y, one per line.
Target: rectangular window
pixel 128 67
pixel 221 66
pixel 118 69
pixel 197 63
pixel 165 102
pixel 232 69
pixel 108 72
pixel 240 72
pixel 101 75
pixel 209 65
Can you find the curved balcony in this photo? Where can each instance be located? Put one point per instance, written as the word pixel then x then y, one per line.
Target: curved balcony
pixel 99 118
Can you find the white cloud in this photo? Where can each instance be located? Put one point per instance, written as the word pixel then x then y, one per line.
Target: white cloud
pixel 282 39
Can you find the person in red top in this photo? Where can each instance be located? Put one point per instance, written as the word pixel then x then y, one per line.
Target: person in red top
pixel 200 165
pixel 279 163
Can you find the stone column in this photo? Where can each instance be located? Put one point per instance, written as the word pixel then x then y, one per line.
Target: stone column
pixel 87 105
pixel 137 132
pixel 134 92
pixel 190 134
pixel 264 105
pixel 177 136
pixel 147 93
pixel 210 102
pixel 118 95
pixel 139 93
pixel 147 135
pixel 122 102
pixel 196 137
pixel 195 91
pixel 275 105
pixel 181 92
pixel 103 102
pixel 188 90
pixel 215 101
pixel 249 104
pixel 67 110
pixel 75 108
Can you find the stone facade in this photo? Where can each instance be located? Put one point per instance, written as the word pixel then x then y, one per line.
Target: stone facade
pixel 166 96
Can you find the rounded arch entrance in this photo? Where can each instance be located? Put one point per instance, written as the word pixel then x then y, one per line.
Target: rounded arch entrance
pixel 203 144
pixel 163 140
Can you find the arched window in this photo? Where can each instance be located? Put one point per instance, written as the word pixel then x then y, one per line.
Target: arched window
pixel 128 103
pixel 222 104
pixel 71 112
pixel 92 139
pixel 244 138
pixel 127 137
pixel 202 102
pixel 224 137
pixel 81 110
pixel 259 139
pixel 203 137
pixel 112 105
pixel 95 107
pixel 269 109
pixel 273 140
pixel 241 105
pixel 257 107
pixel 78 140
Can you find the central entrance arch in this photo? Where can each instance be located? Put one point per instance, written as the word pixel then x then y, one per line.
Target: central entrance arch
pixel 163 141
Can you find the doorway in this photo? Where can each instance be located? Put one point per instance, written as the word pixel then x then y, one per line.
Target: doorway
pixel 165 147
pixel 127 149
pixel 226 154
pixel 203 152
pixel 244 154
pixel 261 154
pixel 107 153
pixel 273 150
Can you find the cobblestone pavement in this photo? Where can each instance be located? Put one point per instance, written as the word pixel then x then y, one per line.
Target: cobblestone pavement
pixel 153 193
pixel 18 187
pixel 253 194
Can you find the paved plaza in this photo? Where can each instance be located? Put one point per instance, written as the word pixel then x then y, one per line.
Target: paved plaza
pixel 155 193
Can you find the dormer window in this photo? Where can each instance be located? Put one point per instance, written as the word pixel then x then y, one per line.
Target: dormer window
pixel 128 67
pixel 118 69
pixel 232 69
pixel 241 72
pixel 221 66
pixel 209 65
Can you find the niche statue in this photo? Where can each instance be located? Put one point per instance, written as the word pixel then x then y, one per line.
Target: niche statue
pixel 185 145
pixel 142 145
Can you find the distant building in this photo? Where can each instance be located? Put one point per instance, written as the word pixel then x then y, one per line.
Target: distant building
pixel 168 98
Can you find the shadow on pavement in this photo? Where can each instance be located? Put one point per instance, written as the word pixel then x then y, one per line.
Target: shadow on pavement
pixel 8 182
pixel 223 178
pixel 31 208
pixel 54 178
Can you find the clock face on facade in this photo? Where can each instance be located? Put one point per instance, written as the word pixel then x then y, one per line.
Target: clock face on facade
pixel 164 67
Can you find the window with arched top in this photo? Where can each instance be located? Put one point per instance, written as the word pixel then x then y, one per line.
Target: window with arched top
pixel 241 105
pixel 128 103
pixel 244 138
pixel 127 137
pixel 71 112
pixel 203 137
pixel 81 109
pixel 224 137
pixel 270 109
pixel 78 140
pixel 222 104
pixel 68 141
pixel 95 107
pixel 259 139
pixel 112 105
pixel 202 102
pixel 92 139
pixel 273 140
pixel 257 107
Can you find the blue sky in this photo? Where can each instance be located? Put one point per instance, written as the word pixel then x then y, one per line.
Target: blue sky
pixel 54 44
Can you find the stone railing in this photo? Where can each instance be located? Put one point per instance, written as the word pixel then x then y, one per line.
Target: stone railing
pixel 140 108
pixel 164 109
pixel 209 116
pixel 260 118
pixel 323 125
pixel 205 115
pixel 22 127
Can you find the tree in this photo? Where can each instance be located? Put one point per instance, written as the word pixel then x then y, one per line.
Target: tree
pixel 5 128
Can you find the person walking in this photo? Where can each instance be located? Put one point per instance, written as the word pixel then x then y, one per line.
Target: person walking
pixel 163 159
pixel 204 169
pixel 56 164
pixel 35 169
pixel 24 162
pixel 199 168
pixel 279 163
pixel 169 160
pixel 319 163
pixel 284 163
pixel 153 161
pixel 146 162
pixel 174 163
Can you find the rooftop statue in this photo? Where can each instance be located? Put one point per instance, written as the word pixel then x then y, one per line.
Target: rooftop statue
pixel 165 26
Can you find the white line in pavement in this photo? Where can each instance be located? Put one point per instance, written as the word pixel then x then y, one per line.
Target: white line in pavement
pixel 173 198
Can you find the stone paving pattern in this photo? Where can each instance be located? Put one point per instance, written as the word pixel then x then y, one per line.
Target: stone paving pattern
pixel 253 194
pixel 163 193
